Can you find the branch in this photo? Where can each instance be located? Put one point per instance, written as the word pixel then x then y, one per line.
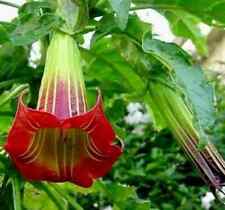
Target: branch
pixel 10 4
pixel 85 30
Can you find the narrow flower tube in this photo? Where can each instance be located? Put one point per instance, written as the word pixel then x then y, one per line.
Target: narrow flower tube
pixel 60 140
pixel 179 120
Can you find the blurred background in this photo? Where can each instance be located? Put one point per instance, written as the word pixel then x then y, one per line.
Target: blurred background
pixel 153 165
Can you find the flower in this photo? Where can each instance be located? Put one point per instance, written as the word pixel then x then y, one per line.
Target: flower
pixel 60 140
pixel 179 119
pixel 35 54
pixel 207 200
pixel 135 114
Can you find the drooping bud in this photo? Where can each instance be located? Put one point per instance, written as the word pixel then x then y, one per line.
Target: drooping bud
pixel 179 120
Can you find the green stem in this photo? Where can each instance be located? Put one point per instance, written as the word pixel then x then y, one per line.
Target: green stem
pixel 16 193
pixel 85 30
pixel 4 185
pixel 53 195
pixel 71 200
pixel 8 83
pixel 18 90
pixel 100 3
pixel 9 4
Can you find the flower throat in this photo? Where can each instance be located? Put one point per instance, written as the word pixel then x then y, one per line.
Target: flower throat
pixel 62 90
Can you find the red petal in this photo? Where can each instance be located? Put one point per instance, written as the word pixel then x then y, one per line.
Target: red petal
pixel 79 149
pixel 26 123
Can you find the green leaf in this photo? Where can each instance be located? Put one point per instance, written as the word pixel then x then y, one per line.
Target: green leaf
pixel 126 41
pixel 115 109
pixel 37 199
pixel 209 11
pixel 109 66
pixel 5 29
pixel 16 90
pixel 211 14
pixel 12 63
pixel 4 36
pixel 36 7
pixel 31 29
pixel 5 124
pixel 35 20
pixel 124 197
pixel 59 188
pixel 137 28
pixel 187 25
pixel 191 80
pixel 52 194
pixel 121 9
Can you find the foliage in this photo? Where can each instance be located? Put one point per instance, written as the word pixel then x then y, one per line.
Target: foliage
pixel 123 58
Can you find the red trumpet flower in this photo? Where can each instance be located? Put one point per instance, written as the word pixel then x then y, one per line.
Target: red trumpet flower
pixel 61 141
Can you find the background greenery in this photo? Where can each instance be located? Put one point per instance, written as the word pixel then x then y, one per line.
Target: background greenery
pixel 153 173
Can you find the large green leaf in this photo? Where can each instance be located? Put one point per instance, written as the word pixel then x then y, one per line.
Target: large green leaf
pixel 58 201
pixel 34 7
pixel 4 34
pixel 190 78
pixel 213 13
pixel 107 65
pixel 35 20
pixel 13 61
pixel 31 29
pixel 209 11
pixel 135 28
pixel 124 197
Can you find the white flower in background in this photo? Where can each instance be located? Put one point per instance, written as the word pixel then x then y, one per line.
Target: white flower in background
pixel 35 54
pixel 133 107
pixel 160 25
pixel 95 205
pixel 136 115
pixel 207 200
pixel 87 40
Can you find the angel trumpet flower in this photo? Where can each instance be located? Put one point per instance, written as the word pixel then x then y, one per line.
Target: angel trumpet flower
pixel 60 140
pixel 179 120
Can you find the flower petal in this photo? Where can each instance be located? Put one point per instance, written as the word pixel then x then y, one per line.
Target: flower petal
pixel 79 149
pixel 27 121
pixel 102 153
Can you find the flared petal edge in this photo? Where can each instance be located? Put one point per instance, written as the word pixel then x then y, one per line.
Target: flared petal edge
pixel 92 155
